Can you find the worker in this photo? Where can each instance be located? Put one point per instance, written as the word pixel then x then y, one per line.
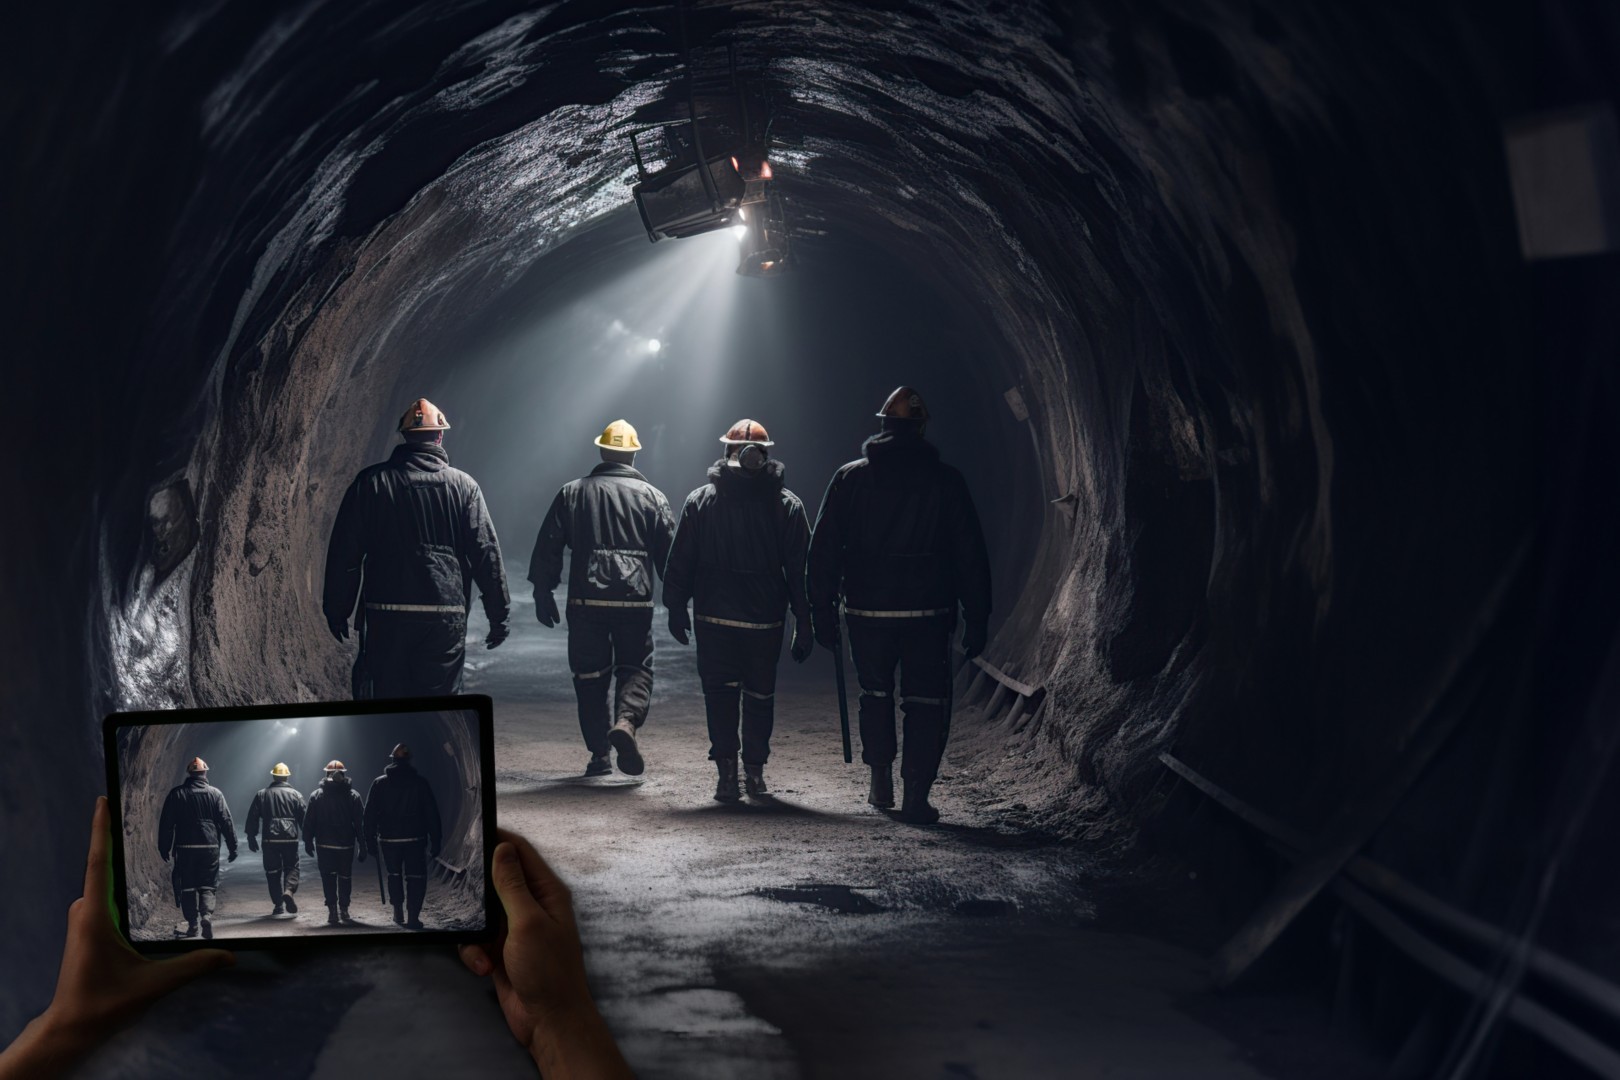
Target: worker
pixel 402 821
pixel 279 811
pixel 618 527
pixel 897 543
pixel 195 818
pixel 738 557
pixel 333 826
pixel 412 538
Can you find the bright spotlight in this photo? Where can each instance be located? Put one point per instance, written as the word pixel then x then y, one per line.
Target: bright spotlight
pixel 653 345
pixel 739 231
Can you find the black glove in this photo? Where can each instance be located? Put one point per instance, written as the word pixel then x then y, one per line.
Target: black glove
pixel 680 626
pixel 309 849
pixel 253 844
pixel 545 609
pixel 498 632
pixel 973 638
pixel 164 855
pixel 232 857
pixel 803 641
pixel 339 628
pixel 433 851
pixel 362 854
pixel 824 625
pixel 373 849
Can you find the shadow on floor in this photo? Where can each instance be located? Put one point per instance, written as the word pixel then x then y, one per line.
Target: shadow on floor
pixel 762 806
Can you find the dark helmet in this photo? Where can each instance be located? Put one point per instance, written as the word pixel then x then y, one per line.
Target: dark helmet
pixel 904 404
pixel 401 752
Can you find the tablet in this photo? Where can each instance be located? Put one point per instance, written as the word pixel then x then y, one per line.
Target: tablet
pixel 351 820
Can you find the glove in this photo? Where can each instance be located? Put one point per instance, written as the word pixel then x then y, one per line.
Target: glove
pixel 164 855
pixel 545 609
pixel 232 857
pixel 433 851
pixel 253 844
pixel 373 849
pixel 680 626
pixel 309 849
pixel 973 638
pixel 803 641
pixel 497 634
pixel 824 625
pixel 339 628
pixel 362 856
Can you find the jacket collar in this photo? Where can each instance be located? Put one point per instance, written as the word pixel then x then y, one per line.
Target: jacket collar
pixel 428 457
pixel 903 448
pixel 196 780
pixel 613 468
pixel 735 481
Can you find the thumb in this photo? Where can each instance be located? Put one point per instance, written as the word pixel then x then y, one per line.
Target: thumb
pixel 511 884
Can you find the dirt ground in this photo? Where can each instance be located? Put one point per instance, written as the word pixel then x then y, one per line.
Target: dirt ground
pixel 802 935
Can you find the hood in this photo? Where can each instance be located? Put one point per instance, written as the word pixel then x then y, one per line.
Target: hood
pixel 399 768
pixel 762 484
pixel 335 782
pixel 281 781
pixel 424 457
pixel 902 448
pixel 613 468
pixel 196 780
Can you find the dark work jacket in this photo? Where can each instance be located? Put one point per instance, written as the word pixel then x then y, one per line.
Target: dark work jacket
pixel 336 815
pixel 281 810
pixel 401 806
pixel 419 533
pixel 739 548
pixel 618 527
pixel 195 815
pixel 897 531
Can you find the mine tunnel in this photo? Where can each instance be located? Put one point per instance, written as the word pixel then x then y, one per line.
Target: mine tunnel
pixel 1286 441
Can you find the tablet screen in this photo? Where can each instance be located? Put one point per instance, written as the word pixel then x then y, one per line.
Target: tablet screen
pixel 355 820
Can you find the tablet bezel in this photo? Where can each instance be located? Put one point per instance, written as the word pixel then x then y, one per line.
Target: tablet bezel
pixel 321 938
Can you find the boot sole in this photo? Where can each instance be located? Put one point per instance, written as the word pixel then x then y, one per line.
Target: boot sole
pixel 629 758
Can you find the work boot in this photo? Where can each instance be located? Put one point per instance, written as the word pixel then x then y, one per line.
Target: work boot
pixel 399 914
pixel 276 910
pixel 331 915
pixel 191 930
pixel 725 790
pixel 914 807
pixel 881 793
pixel 623 737
pixel 414 923
pixel 343 916
pixel 207 930
pixel 754 779
pixel 292 908
pixel 599 766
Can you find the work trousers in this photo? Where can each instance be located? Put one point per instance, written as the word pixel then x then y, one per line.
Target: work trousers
pixel 918 646
pixel 604 644
pixel 336 864
pixel 406 859
pixel 195 877
pixel 738 666
pixel 280 867
pixel 410 654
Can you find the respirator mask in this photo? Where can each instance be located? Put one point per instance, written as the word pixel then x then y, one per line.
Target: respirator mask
pixel 752 457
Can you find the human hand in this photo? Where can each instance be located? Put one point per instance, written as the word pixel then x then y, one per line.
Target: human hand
pixel 545 609
pixel 232 856
pixel 497 634
pixel 103 983
pixel 538 968
pixel 253 845
pixel 973 639
pixel 339 628
pixel 362 856
pixel 824 625
pixel 680 625
pixel 309 849
pixel 433 851
pixel 803 641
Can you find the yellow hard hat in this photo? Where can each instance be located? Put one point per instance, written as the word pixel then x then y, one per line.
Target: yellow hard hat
pixel 618 435
pixel 423 415
pixel 280 770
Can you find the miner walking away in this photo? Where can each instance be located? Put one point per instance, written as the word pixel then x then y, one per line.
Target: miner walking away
pixel 617 526
pixel 332 827
pixel 279 811
pixel 738 557
pixel 411 539
pixel 402 821
pixel 195 819
pixel 898 544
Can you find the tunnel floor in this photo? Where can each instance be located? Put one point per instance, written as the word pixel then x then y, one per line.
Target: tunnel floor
pixel 803 935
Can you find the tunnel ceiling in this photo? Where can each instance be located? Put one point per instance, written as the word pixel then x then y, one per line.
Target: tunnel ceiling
pixel 1223 257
